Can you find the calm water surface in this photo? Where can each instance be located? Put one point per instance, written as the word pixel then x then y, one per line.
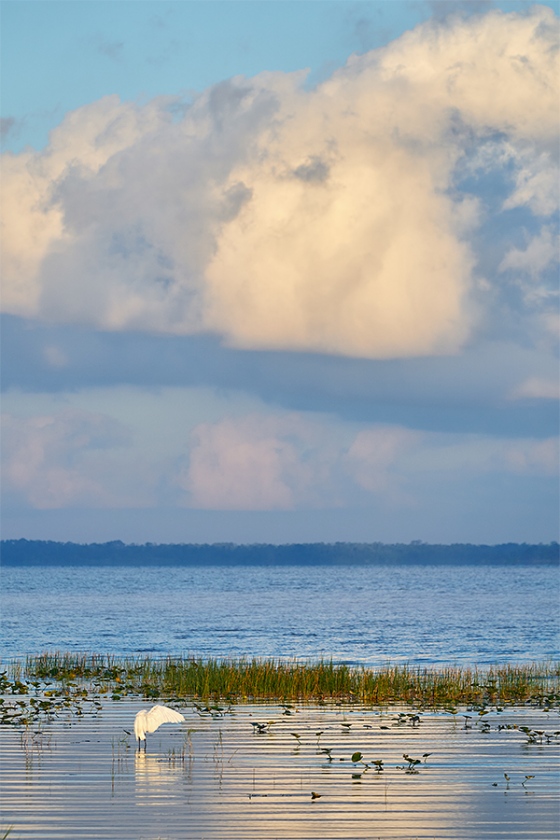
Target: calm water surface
pixel 217 779
pixel 425 615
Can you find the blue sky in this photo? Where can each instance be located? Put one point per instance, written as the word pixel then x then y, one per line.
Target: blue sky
pixel 280 271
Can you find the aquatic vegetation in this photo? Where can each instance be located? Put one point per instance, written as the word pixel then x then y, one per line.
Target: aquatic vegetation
pixel 412 764
pixel 41 701
pixel 56 685
pixel 537 736
pixel 253 772
pixel 259 728
pixel 296 680
pixel 358 758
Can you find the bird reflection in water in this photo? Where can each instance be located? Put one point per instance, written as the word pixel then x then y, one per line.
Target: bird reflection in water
pixel 157 777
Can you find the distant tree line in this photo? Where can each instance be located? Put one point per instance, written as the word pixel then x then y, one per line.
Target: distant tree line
pixel 116 553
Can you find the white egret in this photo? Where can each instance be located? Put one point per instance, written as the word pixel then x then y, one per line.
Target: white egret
pixel 152 720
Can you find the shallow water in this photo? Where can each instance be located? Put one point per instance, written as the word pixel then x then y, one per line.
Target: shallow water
pixel 424 615
pixel 216 778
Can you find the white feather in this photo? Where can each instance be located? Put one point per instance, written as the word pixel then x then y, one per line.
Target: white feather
pixel 152 720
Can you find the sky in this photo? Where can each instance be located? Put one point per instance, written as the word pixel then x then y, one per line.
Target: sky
pixel 280 271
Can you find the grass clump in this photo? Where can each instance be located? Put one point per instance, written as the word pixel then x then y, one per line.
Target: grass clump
pixel 322 681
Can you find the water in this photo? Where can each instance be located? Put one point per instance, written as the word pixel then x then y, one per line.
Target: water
pixel 73 777
pixel 216 778
pixel 368 615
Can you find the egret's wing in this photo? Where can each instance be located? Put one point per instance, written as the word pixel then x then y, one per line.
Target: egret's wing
pixel 161 714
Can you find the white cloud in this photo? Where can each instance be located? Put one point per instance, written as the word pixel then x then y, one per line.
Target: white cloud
pixel 52 461
pixel 289 461
pixel 321 220
pixel 55 357
pixel 541 252
pixel 285 462
pixel 374 454
pixel 537 388
pixel 536 182
pixel 33 223
pixel 468 455
pixel 533 457
pixel 256 462
pixel 531 265
pixel 533 168
pixel 533 270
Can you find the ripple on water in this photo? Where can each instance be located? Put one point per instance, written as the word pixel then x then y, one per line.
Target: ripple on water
pixel 217 778
pixel 368 615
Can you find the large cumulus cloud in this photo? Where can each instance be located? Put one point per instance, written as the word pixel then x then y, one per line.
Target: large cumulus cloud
pixel 332 220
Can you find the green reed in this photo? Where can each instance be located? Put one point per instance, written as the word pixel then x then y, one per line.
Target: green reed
pixel 268 679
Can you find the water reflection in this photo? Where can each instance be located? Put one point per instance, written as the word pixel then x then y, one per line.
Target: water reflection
pixel 156 776
pixel 228 778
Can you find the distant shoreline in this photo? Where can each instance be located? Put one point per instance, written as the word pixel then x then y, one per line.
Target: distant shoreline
pixel 23 552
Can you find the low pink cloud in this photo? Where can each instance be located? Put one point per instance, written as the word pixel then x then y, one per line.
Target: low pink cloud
pixel 261 462
pixel 372 457
pixel 50 460
pixel 246 464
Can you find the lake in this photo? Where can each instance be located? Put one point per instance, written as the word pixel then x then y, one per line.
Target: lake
pixel 428 615
pixel 77 773
pixel 219 778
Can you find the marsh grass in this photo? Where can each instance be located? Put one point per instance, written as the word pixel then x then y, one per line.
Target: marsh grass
pixel 322 681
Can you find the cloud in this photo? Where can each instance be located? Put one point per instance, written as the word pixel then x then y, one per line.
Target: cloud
pixel 537 388
pixel 7 125
pixel 49 460
pixel 535 268
pixel 108 48
pixel 288 462
pixel 325 220
pixel 533 457
pixel 530 273
pixel 33 214
pixel 372 457
pixel 55 357
pixel 458 458
pixel 443 9
pixel 259 460
pixel 470 392
pixel 536 182
pixel 254 463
